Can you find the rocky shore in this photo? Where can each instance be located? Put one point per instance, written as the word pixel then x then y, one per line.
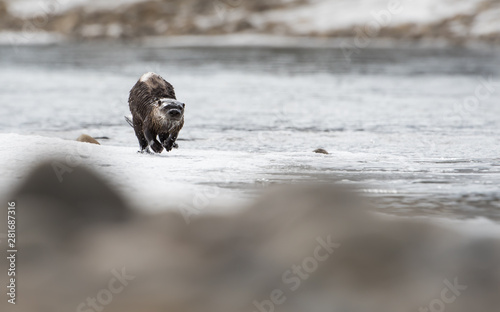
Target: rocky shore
pixel 456 22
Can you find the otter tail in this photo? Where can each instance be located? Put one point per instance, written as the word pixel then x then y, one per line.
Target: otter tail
pixel 128 119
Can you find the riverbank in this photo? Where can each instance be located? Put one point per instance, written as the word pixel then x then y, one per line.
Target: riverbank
pixel 457 22
pixel 199 180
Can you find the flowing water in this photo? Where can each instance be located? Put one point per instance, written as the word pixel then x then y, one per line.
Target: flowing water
pixel 417 129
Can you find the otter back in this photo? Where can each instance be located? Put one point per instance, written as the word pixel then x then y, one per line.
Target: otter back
pixel 150 88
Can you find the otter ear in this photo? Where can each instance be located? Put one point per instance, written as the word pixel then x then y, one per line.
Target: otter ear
pixel 159 102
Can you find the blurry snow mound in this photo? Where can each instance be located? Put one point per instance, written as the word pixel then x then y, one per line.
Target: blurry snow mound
pixel 454 20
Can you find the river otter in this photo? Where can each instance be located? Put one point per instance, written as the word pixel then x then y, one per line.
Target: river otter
pixel 155 113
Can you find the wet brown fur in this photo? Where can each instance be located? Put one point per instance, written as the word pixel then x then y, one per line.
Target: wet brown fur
pixel 146 114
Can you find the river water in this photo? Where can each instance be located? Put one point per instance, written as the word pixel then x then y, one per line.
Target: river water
pixel 416 129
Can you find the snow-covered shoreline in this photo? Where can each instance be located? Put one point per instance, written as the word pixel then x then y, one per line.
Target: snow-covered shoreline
pixel 457 21
pixel 180 178
pixel 183 180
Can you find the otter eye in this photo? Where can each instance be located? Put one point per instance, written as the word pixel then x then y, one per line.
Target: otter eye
pixel 159 102
pixel 183 105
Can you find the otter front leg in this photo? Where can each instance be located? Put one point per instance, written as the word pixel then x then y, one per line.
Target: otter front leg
pixel 168 141
pixel 153 143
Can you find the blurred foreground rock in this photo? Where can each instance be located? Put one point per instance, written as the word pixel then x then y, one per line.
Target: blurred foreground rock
pixel 296 249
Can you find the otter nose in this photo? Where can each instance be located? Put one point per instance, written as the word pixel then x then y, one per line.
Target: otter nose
pixel 174 113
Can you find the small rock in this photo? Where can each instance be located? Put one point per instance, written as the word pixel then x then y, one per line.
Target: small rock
pixel 321 151
pixel 87 139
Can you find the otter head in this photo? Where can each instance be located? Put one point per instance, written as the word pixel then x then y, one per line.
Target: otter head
pixel 172 109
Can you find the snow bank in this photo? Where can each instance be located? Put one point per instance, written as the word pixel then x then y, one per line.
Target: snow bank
pixel 487 22
pixel 186 178
pixel 30 8
pixel 450 19
pixel 194 181
pixel 327 15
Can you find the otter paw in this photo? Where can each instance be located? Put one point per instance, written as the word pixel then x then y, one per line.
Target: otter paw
pixel 169 146
pixel 156 147
pixel 175 145
pixel 147 150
